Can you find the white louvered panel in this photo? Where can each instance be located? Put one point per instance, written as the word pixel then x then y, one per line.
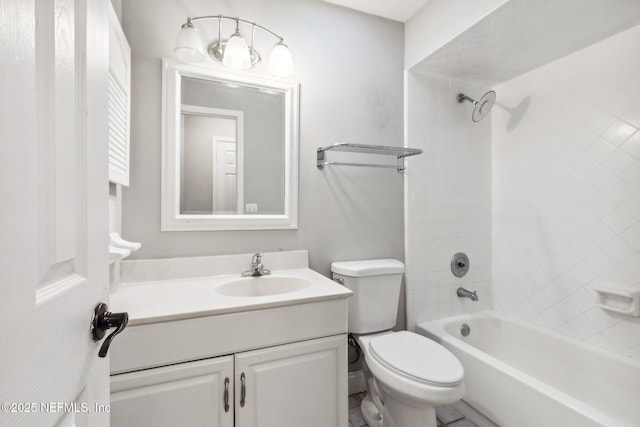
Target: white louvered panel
pixel 116 93
pixel 118 96
pixel 117 119
pixel 119 104
pixel 118 135
pixel 118 159
pixel 118 162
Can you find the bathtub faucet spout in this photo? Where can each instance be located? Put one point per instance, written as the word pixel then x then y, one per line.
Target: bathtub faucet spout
pixel 462 292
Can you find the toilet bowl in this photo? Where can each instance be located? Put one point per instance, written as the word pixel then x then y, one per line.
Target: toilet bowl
pixel 408 375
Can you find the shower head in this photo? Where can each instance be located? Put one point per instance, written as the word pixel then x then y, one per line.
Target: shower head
pixel 482 106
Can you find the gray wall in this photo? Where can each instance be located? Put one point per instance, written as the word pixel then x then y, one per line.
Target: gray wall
pixel 350 68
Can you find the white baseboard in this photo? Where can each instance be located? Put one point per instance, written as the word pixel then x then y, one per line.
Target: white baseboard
pixel 357 383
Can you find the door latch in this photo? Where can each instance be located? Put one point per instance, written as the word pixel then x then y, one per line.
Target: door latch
pixel 102 320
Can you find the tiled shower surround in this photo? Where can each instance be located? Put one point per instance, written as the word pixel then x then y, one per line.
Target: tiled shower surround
pixel 543 195
pixel 448 199
pixel 566 191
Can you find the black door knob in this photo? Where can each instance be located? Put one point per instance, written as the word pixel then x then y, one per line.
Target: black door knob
pixel 102 320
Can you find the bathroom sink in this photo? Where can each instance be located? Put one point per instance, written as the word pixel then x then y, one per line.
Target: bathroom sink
pixel 262 286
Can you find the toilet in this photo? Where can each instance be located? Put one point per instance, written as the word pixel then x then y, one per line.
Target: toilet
pixel 408 375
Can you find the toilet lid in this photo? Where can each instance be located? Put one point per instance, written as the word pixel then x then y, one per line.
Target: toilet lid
pixel 418 358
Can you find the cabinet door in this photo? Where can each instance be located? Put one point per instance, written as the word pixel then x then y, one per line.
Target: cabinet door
pixel 293 385
pixel 187 394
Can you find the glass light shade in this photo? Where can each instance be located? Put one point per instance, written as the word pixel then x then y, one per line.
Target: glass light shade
pixel 236 53
pixel 280 61
pixel 189 45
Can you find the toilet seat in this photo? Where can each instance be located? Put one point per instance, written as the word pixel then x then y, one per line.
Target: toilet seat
pixel 397 366
pixel 417 358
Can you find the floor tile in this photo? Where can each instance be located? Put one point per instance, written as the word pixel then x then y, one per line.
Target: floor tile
pixel 355 417
pixel 462 423
pixel 447 414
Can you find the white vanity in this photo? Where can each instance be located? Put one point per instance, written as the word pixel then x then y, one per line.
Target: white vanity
pixel 206 347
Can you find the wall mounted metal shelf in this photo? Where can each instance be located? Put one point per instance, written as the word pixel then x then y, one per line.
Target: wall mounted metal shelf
pixel 399 152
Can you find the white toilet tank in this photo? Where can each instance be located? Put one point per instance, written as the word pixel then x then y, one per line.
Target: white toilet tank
pixel 376 291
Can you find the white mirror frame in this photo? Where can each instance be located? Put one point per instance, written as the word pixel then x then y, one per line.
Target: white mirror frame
pixel 171 219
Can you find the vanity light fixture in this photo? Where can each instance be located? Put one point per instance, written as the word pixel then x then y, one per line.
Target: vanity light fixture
pixel 233 52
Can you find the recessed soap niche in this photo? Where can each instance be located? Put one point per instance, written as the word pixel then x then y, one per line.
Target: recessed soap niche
pixel 618 300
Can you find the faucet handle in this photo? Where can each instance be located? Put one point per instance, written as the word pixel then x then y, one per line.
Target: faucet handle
pixel 256 259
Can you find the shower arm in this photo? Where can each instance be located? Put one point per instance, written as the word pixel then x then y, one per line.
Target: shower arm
pixel 462 97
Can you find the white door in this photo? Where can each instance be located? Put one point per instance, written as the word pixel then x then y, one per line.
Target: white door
pixel 53 220
pixel 291 385
pixel 225 176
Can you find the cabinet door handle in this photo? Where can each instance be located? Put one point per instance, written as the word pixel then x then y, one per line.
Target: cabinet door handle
pixel 243 389
pixel 226 394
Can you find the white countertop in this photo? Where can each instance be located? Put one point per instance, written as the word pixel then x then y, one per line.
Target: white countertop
pixel 185 298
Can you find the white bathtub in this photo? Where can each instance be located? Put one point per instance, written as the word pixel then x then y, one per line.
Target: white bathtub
pixel 519 375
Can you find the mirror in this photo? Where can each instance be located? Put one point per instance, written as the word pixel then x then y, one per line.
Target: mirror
pixel 230 149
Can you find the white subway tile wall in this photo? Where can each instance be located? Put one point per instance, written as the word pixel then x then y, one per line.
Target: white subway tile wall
pixel 566 192
pixel 447 199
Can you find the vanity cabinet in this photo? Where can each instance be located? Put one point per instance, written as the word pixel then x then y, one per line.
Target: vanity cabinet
pixel 187 394
pixel 284 353
pixel 300 384
pixel 289 385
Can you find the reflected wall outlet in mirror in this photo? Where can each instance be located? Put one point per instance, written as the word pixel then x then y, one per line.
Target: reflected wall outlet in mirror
pixel 251 207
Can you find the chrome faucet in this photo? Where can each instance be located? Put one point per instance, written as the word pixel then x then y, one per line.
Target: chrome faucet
pixel 257 268
pixel 462 292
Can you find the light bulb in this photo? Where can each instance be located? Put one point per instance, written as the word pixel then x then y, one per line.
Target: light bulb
pixel 236 53
pixel 280 61
pixel 189 45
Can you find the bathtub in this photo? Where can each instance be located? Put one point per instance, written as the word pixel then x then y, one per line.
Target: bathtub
pixel 519 375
